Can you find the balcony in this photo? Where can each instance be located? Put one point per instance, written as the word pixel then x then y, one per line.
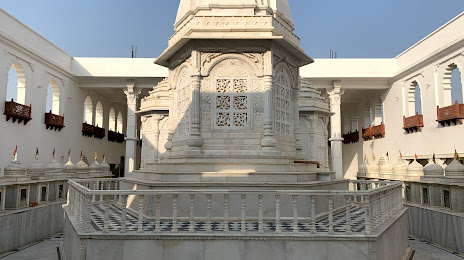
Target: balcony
pixel 372 132
pixel 99 132
pixel 88 130
pixel 115 137
pixel 378 131
pixel 54 122
pixel 453 113
pixel 413 123
pixel 17 111
pixel 367 134
pixel 351 138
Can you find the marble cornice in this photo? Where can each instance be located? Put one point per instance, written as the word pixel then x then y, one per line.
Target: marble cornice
pixel 27 52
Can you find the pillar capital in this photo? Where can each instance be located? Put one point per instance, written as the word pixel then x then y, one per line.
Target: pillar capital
pixel 131 92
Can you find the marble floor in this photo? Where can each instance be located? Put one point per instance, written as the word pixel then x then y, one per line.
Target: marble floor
pixel 425 250
pixel 322 225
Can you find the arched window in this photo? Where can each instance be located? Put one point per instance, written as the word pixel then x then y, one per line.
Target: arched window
pixel 112 120
pixel 368 116
pixel 88 111
pixel 120 123
pixel 16 88
pixel 452 85
pixel 354 123
pixel 99 114
pixel 414 99
pixel 53 98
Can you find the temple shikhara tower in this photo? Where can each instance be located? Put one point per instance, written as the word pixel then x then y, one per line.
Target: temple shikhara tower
pixel 231 101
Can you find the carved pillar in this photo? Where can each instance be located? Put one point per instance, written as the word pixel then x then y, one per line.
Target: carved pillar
pixel 268 143
pixel 195 142
pixel 132 94
pixel 336 129
pixel 150 138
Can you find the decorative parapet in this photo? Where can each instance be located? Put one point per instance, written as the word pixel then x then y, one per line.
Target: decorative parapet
pixel 413 123
pixel 376 202
pixel 351 137
pixel 53 121
pixel 17 112
pixel 115 137
pixel 453 113
pixel 88 130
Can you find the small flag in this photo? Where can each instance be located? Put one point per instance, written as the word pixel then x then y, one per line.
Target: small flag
pixel 36 151
pixel 365 157
pixel 53 154
pixel 69 152
pixel 15 150
pixel 373 156
pixel 95 155
pixel 81 154
pixel 387 154
pixel 103 157
pixel 401 155
pixel 433 158
pixel 457 155
pixel 415 156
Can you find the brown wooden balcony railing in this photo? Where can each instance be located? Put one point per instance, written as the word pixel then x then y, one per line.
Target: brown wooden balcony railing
pixel 453 113
pixel 99 132
pixel 351 137
pixel 378 131
pixel 53 121
pixel 17 112
pixel 88 130
pixel 374 132
pixel 367 133
pixel 413 123
pixel 115 137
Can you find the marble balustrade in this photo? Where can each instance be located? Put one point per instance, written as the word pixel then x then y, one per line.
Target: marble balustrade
pixel 378 200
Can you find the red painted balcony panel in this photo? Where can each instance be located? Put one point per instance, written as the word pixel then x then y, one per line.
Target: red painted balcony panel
pixel 17 111
pixel 351 137
pixel 88 130
pixel 453 113
pixel 53 121
pixel 413 123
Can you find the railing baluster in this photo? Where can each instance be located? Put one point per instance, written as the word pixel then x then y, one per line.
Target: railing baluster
pixel 140 220
pixel 192 216
pixel 174 212
pixel 367 215
pixel 243 223
pixel 330 198
pixel 157 213
pixel 313 214
pixel 208 212
pixel 102 185
pixel 89 214
pixel 295 213
pixel 150 206
pixel 226 213
pixel 123 213
pixel 348 215
pixel 106 219
pixel 260 214
pixel 278 229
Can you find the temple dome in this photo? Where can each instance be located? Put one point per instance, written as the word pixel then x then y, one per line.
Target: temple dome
pixel 280 7
pixel 415 168
pixel 454 169
pixel 362 169
pixel 432 169
pixel 386 167
pixel 400 168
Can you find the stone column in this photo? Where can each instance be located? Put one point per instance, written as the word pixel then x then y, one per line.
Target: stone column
pixel 336 129
pixel 132 94
pixel 268 143
pixel 195 142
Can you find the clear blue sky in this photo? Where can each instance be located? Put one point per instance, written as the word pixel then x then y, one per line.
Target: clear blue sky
pixel 355 29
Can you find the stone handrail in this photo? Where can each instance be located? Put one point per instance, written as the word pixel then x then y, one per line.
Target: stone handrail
pixel 378 200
